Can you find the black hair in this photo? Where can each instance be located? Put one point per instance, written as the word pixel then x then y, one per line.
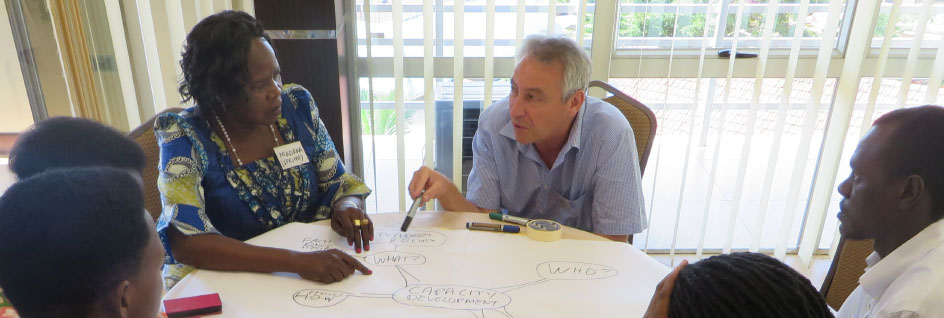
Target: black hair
pixel 744 285
pixel 215 60
pixel 916 147
pixel 68 237
pixel 63 142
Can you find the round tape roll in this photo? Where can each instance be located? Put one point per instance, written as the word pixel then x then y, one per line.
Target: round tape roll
pixel 544 230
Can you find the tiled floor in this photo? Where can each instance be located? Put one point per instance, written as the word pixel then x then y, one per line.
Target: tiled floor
pixel 711 190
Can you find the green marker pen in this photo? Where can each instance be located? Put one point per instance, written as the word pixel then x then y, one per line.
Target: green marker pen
pixel 498 216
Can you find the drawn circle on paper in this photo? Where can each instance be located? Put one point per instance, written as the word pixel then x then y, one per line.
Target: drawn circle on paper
pixel 395 258
pixel 414 238
pixel 319 298
pixel 451 297
pixel 574 271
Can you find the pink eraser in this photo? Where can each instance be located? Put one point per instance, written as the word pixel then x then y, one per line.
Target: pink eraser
pixel 196 305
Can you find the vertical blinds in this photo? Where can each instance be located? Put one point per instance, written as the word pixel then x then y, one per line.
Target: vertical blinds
pixel 843 56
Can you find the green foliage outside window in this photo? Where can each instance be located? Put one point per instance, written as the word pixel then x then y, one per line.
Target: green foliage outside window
pixel 663 24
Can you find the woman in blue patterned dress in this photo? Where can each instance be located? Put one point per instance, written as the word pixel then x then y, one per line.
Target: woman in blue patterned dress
pixel 249 157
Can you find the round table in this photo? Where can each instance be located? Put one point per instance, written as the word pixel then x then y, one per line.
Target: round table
pixel 440 269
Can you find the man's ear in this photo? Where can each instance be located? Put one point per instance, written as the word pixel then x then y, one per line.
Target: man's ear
pixel 911 191
pixel 577 99
pixel 122 299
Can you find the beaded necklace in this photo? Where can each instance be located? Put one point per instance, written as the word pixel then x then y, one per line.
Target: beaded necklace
pixel 230 142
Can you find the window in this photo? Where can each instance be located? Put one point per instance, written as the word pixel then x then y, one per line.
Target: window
pixel 909 21
pixel 710 182
pixel 533 17
pixel 660 24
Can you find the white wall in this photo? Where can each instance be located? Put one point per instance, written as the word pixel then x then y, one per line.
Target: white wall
pixel 15 113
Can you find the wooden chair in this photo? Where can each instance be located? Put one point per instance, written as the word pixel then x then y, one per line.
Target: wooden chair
pixel 144 136
pixel 843 276
pixel 640 117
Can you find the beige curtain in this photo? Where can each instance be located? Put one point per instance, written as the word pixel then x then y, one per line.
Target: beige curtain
pixel 74 50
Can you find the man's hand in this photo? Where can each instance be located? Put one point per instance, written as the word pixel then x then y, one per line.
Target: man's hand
pixel 659 305
pixel 436 184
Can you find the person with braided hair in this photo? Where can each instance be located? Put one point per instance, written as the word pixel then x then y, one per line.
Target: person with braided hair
pixel 737 285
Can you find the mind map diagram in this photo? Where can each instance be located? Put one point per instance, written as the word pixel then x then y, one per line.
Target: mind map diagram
pixel 475 300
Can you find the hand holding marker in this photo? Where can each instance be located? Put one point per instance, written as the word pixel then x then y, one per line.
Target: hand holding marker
pixel 409 215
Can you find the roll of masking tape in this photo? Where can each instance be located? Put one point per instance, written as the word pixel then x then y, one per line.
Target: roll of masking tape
pixel 544 230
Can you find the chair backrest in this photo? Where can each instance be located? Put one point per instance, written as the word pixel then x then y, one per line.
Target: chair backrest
pixel 144 136
pixel 843 276
pixel 640 117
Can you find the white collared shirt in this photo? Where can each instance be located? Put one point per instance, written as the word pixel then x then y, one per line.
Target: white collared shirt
pixel 908 283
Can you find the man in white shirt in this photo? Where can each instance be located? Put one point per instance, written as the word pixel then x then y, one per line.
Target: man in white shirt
pixel 895 195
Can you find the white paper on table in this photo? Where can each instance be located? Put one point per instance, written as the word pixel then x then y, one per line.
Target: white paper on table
pixel 443 273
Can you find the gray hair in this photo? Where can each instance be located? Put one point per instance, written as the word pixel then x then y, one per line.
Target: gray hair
pixel 548 49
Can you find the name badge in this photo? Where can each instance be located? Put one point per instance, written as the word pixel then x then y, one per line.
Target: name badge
pixel 291 155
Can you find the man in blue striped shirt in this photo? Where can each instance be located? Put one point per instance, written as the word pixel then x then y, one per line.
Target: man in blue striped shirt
pixel 548 151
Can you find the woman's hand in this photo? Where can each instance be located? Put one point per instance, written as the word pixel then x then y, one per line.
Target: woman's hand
pixel 327 266
pixel 218 252
pixel 349 220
